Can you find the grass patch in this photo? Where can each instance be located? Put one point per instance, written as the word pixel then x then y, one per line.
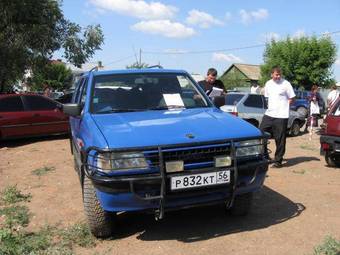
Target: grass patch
pixel 43 170
pixel 330 246
pixel 302 171
pixel 308 147
pixel 79 234
pixel 11 195
pixel 15 216
pixel 15 240
pixel 15 243
pixel 46 241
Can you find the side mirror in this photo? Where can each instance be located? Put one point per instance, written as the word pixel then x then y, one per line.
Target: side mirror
pixel 72 109
pixel 219 101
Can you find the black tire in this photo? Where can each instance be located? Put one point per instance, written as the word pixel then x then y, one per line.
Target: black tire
pixel 242 205
pixel 295 128
pixel 332 160
pixel 101 222
pixel 302 110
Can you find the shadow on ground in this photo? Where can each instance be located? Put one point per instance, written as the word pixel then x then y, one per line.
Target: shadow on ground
pixel 25 141
pixel 196 224
pixel 298 160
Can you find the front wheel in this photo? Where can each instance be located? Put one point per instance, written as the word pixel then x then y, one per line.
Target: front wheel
pixel 242 205
pixel 332 160
pixel 302 110
pixel 295 128
pixel 101 222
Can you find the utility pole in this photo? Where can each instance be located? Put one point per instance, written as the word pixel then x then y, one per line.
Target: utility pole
pixel 140 57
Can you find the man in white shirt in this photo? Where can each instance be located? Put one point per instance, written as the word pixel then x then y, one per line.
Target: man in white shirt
pixel 332 96
pixel 255 88
pixel 279 93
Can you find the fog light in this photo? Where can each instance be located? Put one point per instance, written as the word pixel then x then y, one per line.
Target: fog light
pixel 174 166
pixel 222 161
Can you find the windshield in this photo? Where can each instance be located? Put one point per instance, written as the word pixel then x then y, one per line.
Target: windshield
pixel 233 99
pixel 140 92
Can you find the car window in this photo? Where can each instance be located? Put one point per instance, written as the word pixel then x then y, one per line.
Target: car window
pixel 336 110
pixel 149 91
pixel 232 99
pixel 83 93
pixel 38 103
pixel 78 90
pixel 254 101
pixel 11 104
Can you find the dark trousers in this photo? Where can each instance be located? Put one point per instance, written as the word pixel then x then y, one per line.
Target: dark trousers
pixel 278 128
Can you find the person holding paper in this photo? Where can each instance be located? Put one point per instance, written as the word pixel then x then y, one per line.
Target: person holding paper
pixel 211 86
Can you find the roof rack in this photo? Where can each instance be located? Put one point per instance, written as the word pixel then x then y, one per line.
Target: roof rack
pixel 93 69
pixel 158 66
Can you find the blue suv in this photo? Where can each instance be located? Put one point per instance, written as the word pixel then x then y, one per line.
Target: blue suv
pixel 301 103
pixel 150 139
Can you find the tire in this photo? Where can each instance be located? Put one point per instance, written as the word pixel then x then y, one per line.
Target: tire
pixel 295 128
pixel 302 110
pixel 101 222
pixel 332 160
pixel 242 205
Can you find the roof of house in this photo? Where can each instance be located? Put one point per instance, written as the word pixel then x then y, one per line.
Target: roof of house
pixel 253 72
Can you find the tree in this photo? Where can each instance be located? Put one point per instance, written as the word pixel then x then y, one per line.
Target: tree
pixel 55 75
pixel 304 61
pixel 31 31
pixel 234 80
pixel 137 65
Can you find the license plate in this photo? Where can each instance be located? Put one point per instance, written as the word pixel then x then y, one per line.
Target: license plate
pixel 200 180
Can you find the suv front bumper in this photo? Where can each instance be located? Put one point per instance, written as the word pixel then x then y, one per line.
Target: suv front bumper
pixel 329 143
pixel 153 190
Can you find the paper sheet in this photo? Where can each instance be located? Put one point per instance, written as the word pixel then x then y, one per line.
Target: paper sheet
pixel 173 99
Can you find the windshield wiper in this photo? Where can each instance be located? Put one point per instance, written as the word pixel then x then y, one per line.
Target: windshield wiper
pixel 167 107
pixel 118 110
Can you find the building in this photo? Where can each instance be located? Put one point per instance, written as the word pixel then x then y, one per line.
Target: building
pixel 241 75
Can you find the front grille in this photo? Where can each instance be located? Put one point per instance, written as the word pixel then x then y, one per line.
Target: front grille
pixel 200 156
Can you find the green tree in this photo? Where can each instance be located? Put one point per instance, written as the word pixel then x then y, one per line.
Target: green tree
pixel 31 31
pixel 234 80
pixel 55 75
pixel 304 61
pixel 137 65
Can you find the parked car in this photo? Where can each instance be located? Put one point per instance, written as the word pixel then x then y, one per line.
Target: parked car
pixel 25 115
pixel 301 104
pixel 251 107
pixel 56 94
pixel 330 136
pixel 152 140
pixel 66 98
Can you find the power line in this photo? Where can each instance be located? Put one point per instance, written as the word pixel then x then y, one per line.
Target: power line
pixel 204 51
pixel 221 50
pixel 119 60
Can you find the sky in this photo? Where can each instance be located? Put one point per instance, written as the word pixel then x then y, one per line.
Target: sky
pixel 195 35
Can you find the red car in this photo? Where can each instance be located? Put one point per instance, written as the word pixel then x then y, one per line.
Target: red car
pixel 330 137
pixel 23 115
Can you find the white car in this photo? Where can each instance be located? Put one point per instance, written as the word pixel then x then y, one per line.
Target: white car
pixel 251 107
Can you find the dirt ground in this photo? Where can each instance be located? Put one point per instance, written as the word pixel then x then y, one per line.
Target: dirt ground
pixel 297 208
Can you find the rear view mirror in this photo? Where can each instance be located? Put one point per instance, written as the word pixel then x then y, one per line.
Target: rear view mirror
pixel 219 101
pixel 72 109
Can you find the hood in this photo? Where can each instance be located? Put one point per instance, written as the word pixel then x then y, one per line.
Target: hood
pixel 152 128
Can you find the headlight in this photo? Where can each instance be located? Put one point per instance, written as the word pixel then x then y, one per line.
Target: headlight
pixel 111 161
pixel 249 148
